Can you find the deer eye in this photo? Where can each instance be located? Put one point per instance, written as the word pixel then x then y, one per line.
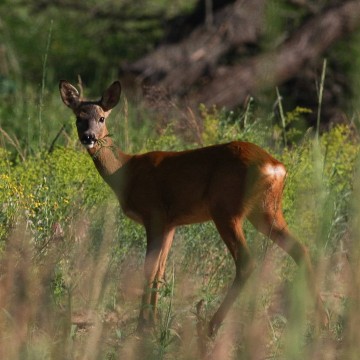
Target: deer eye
pixel 101 120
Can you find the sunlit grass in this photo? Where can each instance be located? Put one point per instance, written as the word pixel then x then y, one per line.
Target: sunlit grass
pixel 71 263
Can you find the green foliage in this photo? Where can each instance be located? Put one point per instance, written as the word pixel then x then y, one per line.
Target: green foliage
pixel 84 266
pixel 46 189
pixel 98 32
pixel 167 140
pixel 66 249
pixel 294 126
pixel 319 185
pixel 224 126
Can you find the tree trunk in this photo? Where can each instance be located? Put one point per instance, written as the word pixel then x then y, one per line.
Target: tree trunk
pixel 193 66
pixel 178 66
pixel 232 85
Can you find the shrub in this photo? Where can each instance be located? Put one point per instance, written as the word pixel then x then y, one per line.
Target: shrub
pixel 48 188
pixel 319 185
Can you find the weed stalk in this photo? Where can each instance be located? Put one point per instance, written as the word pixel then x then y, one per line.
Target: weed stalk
pixel 43 79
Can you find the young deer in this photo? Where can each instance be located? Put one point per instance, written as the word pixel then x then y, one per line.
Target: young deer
pixel 162 190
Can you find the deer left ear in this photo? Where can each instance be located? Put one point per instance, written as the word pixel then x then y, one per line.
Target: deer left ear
pixel 111 96
pixel 69 95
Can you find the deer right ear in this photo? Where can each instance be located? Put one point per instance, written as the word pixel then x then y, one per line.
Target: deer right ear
pixel 111 96
pixel 69 95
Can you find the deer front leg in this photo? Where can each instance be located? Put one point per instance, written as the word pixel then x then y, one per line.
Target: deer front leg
pixel 159 242
pixel 159 278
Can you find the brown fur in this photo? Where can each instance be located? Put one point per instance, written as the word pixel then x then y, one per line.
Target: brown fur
pixel 162 190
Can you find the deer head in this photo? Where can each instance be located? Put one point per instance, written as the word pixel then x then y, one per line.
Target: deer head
pixel 90 115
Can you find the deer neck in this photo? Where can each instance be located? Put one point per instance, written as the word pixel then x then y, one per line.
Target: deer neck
pixel 108 158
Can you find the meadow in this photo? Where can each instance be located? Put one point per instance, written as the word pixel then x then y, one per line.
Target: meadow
pixel 71 262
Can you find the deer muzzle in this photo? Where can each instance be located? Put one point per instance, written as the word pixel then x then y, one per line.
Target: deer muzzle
pixel 88 140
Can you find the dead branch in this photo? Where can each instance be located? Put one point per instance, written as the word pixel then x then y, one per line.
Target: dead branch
pixel 231 85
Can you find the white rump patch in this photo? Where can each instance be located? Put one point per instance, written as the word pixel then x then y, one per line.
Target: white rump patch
pixel 274 170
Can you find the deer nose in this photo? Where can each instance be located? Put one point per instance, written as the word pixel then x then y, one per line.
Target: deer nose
pixel 87 139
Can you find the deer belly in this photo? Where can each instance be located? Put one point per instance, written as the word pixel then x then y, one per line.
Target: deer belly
pixel 189 215
pixel 133 215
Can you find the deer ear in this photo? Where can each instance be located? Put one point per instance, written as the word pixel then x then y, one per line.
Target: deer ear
pixel 70 96
pixel 111 96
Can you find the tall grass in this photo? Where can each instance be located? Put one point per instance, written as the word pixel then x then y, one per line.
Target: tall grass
pixel 71 263
pixel 320 97
pixel 42 91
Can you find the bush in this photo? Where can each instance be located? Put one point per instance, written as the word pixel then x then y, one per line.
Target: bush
pixel 92 266
pixel 319 185
pixel 47 189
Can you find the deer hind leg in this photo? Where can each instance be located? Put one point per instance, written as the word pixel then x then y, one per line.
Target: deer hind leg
pixel 268 219
pixel 158 245
pixel 230 229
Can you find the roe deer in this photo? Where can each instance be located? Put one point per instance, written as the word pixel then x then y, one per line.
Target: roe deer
pixel 162 190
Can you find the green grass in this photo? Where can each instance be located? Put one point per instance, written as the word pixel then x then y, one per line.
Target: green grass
pixel 71 263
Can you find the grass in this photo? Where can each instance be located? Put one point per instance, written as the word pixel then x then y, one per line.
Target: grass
pixel 71 263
